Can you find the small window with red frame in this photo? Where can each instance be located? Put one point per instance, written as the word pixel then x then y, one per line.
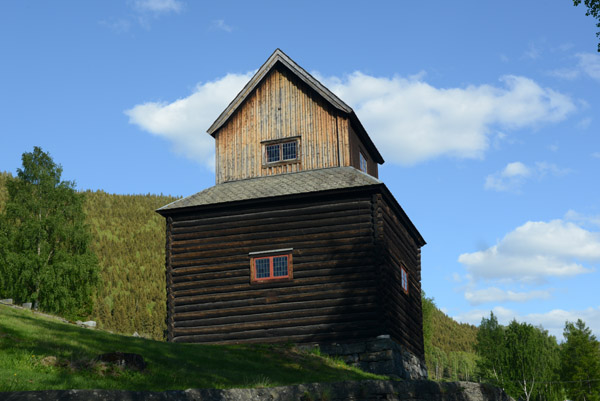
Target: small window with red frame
pixel 404 279
pixel 271 265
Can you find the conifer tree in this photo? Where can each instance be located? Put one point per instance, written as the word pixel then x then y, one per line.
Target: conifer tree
pixel 46 258
pixel 580 362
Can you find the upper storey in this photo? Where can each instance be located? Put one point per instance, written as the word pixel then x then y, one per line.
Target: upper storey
pixel 284 121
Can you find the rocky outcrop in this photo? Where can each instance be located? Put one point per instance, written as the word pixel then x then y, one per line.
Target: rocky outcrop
pixel 419 390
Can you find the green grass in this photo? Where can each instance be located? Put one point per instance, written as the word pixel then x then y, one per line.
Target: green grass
pixel 27 338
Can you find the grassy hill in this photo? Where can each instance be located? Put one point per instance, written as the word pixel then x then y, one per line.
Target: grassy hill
pixel 43 353
pixel 128 238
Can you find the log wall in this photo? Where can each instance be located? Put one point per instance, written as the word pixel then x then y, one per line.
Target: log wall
pixel 334 293
pixel 395 247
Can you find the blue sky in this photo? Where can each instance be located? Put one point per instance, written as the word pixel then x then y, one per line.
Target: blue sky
pixel 486 114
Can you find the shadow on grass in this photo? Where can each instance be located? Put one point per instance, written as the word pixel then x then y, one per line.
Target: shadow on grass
pixel 171 366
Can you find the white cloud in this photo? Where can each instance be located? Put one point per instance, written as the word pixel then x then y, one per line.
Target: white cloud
pixel 158 6
pixel 221 25
pixel 514 175
pixel 590 64
pixel 412 121
pixel 494 294
pixel 534 251
pixel 408 119
pixel 553 321
pixel 587 64
pixel 184 122
pixel 583 219
pixel 565 73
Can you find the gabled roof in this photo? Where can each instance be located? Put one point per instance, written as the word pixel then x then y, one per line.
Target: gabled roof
pixel 280 58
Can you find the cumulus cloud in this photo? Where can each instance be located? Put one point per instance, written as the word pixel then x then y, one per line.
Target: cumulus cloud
pixel 409 120
pixel 184 122
pixel 534 251
pixel 514 175
pixel 494 294
pixel 553 321
pixel 412 121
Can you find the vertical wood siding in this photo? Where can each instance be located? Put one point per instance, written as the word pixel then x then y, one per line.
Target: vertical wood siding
pixel 355 146
pixel 281 106
pixel 334 293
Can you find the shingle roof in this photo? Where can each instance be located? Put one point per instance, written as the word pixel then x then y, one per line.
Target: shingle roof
pixel 277 185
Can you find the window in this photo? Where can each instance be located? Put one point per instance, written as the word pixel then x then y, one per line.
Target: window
pixel 271 265
pixel 404 279
pixel 363 162
pixel 281 151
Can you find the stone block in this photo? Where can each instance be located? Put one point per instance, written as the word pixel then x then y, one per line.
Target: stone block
pixel 7 301
pixel 382 367
pixel 27 305
pixel 353 348
pixel 377 356
pixel 380 345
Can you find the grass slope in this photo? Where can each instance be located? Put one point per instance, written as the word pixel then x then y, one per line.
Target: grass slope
pixel 27 340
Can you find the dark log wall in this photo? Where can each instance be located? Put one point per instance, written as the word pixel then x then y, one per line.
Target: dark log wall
pixel 332 297
pixel 395 248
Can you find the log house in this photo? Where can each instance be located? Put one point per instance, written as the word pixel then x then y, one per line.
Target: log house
pixel 298 240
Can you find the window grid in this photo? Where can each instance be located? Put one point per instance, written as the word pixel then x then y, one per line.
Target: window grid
pixel 281 152
pixel 289 150
pixel 271 267
pixel 272 153
pixel 263 269
pixel 280 266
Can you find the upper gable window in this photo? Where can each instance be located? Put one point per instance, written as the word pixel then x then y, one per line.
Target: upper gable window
pixel 363 162
pixel 283 151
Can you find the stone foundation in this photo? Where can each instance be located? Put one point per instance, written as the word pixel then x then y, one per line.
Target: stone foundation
pixel 379 355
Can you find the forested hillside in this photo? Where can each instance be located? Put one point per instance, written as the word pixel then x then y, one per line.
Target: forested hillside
pixel 449 346
pixel 128 238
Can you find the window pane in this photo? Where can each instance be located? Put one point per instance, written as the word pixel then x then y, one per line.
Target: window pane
pixel 262 268
pixel 273 153
pixel 280 266
pixel 363 162
pixel 289 150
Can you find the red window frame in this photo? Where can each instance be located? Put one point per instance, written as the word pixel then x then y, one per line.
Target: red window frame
pixel 404 279
pixel 270 256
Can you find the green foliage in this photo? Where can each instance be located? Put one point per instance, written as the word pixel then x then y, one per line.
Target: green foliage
pixel 491 362
pixel 129 239
pixel 593 9
pixel 46 256
pixel 580 363
pixel 520 358
pixel 28 341
pixel 449 346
